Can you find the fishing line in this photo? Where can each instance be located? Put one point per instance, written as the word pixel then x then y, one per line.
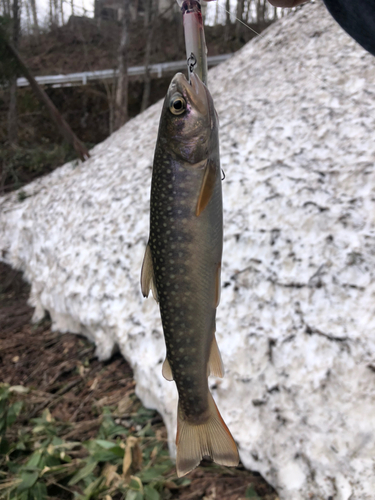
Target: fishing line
pixel 233 16
pixel 240 21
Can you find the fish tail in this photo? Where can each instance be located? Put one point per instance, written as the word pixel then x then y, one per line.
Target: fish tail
pixel 211 438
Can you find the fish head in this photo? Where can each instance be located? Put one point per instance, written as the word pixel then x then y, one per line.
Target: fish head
pixel 189 123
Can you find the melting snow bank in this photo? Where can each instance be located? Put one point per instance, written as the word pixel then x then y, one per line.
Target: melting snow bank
pixel 296 320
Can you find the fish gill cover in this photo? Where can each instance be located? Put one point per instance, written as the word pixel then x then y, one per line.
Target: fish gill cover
pixel 296 319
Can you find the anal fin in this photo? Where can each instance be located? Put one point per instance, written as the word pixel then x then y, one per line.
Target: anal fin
pixel 147 275
pixel 207 188
pixel 167 370
pixel 215 363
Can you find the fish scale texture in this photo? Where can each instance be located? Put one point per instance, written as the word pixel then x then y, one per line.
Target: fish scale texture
pixel 296 320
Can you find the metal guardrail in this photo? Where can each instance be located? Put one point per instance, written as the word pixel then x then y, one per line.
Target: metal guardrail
pixel 157 70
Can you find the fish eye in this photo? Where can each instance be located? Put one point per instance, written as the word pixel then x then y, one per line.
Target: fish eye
pixel 177 104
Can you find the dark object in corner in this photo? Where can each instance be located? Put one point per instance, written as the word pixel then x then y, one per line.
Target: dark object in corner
pixel 357 18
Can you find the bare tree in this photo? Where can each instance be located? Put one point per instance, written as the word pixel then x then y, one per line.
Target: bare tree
pixel 12 113
pixel 50 12
pixel 227 20
pixel 239 15
pixel 264 11
pixel 35 17
pixel 6 7
pixel 56 12
pixel 28 18
pixel 150 22
pixel 62 11
pixel 63 127
pixel 121 99
pixel 274 13
pixel 216 20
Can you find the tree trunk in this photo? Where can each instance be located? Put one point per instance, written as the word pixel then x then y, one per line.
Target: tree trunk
pixel 264 10
pixel 28 17
pixel 35 18
pixel 97 9
pixel 56 12
pixel 240 11
pixel 227 21
pixel 50 12
pixel 150 28
pixel 249 13
pixel 62 12
pixel 216 20
pixel 63 127
pixel 12 113
pixel 121 99
pixel 259 12
pixel 6 7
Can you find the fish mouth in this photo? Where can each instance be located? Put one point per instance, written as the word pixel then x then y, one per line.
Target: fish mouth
pixel 194 92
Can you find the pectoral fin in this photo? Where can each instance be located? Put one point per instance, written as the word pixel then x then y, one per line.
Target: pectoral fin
pixel 207 188
pixel 215 363
pixel 147 276
pixel 167 370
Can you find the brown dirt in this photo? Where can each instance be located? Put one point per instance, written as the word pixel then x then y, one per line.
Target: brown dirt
pixel 69 380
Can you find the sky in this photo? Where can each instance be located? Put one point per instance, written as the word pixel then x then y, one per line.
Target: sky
pixel 81 7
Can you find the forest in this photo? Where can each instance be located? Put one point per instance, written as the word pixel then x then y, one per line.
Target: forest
pixel 64 38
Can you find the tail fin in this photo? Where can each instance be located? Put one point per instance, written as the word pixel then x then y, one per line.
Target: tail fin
pixel 212 438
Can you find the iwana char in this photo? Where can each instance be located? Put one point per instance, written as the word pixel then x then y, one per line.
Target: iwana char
pixel 182 265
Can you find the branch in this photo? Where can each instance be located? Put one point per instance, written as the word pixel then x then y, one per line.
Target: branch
pixel 63 127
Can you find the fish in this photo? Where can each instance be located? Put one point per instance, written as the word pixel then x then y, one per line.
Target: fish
pixel 182 266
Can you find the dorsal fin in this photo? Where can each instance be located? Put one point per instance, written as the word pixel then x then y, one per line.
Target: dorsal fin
pixel 147 275
pixel 207 188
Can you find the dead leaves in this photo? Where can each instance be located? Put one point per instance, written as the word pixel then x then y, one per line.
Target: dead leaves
pixel 132 458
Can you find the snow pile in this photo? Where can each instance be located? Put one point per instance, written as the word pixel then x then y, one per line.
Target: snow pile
pixel 296 320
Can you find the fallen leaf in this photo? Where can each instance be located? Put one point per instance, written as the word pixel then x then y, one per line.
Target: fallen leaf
pixel 110 473
pixel 132 457
pixel 94 385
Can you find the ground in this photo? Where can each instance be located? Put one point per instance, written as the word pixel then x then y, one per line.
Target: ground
pixel 73 395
